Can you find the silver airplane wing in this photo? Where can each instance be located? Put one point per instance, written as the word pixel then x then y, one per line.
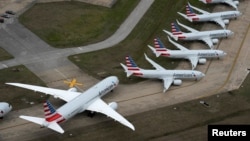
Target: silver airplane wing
pixel 220 22
pixel 101 107
pixel 208 41
pixel 188 28
pixel 157 66
pixel 62 94
pixel 177 45
pixel 198 9
pixel 194 61
pixel 231 2
pixel 167 83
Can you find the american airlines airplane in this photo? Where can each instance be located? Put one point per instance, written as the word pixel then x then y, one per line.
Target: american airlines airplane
pixel 77 102
pixel 5 108
pixel 233 3
pixel 194 56
pixel 220 18
pixel 167 76
pixel 209 37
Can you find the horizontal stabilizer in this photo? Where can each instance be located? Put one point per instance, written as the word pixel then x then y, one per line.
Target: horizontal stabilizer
pixel 37 120
pixel 154 50
pixel 129 73
pixel 41 121
pixel 171 35
pixel 56 127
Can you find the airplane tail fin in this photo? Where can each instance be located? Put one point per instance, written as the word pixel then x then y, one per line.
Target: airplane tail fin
pixel 159 48
pixel 49 110
pixel 51 120
pixel 189 11
pixel 41 121
pixel 176 29
pixel 131 67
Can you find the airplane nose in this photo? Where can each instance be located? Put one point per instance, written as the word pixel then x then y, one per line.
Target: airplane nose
pixel 202 74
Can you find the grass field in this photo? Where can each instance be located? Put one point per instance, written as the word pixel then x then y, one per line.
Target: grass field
pixel 4 55
pixel 186 121
pixel 17 97
pixel 70 24
pixel 158 17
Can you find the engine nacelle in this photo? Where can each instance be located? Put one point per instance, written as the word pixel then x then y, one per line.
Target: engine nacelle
pixel 113 105
pixel 226 21
pixel 177 82
pixel 72 89
pixel 215 41
pixel 202 61
pixel 236 2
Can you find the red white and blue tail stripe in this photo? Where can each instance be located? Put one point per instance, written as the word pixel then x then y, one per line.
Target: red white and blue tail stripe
pixel 160 48
pixel 175 29
pixel 130 63
pixel 132 68
pixel 189 11
pixel 51 114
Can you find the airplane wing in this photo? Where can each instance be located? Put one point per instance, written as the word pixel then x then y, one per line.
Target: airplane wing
pixel 158 67
pixel 100 106
pixel 177 45
pixel 230 2
pixel 188 28
pixel 219 21
pixel 198 9
pixel 208 41
pixel 62 94
pixel 167 83
pixel 194 61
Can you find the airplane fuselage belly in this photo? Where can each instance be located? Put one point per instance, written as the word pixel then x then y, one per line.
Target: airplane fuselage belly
pixel 80 103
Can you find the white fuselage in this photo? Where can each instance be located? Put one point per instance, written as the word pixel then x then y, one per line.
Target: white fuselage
pixel 80 103
pixel 212 16
pixel 4 109
pixel 176 74
pixel 195 53
pixel 213 34
pixel 217 1
pixel 233 3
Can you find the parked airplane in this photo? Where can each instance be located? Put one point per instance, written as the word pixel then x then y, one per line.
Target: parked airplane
pixel 209 37
pixel 194 56
pixel 220 18
pixel 167 76
pixel 76 103
pixel 5 108
pixel 233 3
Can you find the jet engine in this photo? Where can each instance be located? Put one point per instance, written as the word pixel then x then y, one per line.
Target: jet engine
pixel 113 105
pixel 215 41
pixel 72 89
pixel 236 2
pixel 177 82
pixel 202 61
pixel 226 21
